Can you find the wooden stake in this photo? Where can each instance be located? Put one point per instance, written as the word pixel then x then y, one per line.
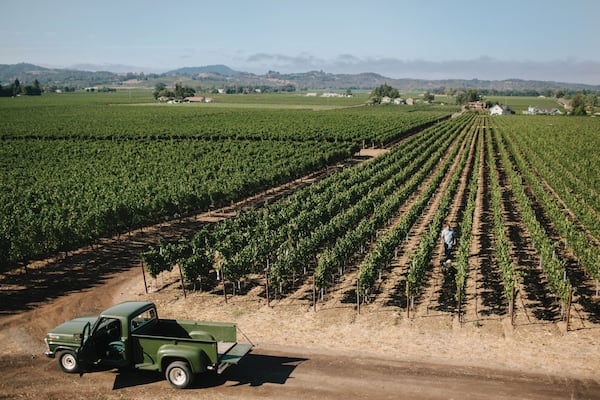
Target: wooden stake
pixel 267 284
pixel 144 275
pixel 357 296
pixel 569 308
pixel 182 282
pixel 224 288
pixel 511 310
pixel 314 294
pixel 407 299
pixel 459 307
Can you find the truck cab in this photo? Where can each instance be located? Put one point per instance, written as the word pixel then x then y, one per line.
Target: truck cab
pixel 130 335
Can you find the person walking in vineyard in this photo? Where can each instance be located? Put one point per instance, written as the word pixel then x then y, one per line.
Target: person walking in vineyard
pixel 449 240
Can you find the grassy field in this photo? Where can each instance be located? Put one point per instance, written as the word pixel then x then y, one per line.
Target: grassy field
pixel 520 103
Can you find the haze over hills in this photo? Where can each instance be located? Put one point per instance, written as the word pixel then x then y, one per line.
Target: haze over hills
pixel 222 75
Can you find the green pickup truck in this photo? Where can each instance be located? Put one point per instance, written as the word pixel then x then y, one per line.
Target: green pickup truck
pixel 130 335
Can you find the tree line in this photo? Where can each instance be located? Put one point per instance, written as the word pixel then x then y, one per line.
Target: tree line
pixel 15 89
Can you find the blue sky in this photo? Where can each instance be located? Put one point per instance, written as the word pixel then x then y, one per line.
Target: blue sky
pixel 430 39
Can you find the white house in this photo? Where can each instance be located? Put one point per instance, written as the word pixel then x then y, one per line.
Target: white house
pixel 194 99
pixel 331 94
pixel 500 110
pixel 537 110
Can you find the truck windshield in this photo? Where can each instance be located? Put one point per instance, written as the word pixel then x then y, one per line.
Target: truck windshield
pixel 143 319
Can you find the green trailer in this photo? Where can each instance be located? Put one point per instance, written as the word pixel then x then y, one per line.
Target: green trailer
pixel 130 335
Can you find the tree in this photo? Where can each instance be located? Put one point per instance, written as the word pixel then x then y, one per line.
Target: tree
pixel 468 96
pixel 33 90
pixel 384 91
pixel 16 87
pixel 182 92
pixel 159 87
pixel 578 104
pixel 5 91
pixel 428 97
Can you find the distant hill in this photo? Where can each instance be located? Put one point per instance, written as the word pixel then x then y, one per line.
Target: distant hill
pixel 222 75
pixel 27 73
pixel 209 69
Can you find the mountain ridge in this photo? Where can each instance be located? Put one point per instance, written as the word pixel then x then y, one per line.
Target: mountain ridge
pixel 222 75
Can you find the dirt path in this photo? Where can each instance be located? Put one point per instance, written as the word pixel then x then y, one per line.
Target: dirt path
pixel 276 373
pixel 441 287
pixel 483 294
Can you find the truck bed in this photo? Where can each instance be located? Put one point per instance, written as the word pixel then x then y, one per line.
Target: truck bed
pixel 205 331
pixel 218 339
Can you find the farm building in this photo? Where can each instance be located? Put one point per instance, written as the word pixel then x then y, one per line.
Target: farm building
pixel 537 110
pixel 194 99
pixel 477 105
pixel 500 110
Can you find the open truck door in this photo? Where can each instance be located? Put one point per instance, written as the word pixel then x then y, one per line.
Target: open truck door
pixel 86 354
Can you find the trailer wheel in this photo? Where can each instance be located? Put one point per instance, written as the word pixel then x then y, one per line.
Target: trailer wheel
pixel 179 374
pixel 67 360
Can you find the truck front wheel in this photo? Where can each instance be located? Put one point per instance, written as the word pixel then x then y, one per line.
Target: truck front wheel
pixel 179 374
pixel 68 362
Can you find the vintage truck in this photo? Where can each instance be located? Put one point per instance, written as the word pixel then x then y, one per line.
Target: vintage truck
pixel 130 335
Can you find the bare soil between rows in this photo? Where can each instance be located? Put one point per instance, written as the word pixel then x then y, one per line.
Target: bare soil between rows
pixel 332 352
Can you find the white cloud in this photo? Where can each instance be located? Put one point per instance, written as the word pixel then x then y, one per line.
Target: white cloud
pixel 484 67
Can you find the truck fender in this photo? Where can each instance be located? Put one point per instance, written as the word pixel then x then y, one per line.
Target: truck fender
pixel 195 357
pixel 61 348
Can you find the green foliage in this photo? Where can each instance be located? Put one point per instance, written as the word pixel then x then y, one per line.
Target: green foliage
pixel 468 96
pixel 77 167
pixel 553 267
pixel 466 225
pixel 384 91
pixel 501 240
pixel 578 104
pixel 154 261
pixel 525 145
pixel 16 88
pixel 330 221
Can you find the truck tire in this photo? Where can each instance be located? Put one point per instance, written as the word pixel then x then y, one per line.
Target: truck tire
pixel 67 360
pixel 179 374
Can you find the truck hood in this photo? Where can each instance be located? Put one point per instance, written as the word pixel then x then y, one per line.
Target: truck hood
pixel 70 328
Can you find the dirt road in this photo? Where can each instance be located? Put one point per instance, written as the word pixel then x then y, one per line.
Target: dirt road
pixel 299 354
pixel 288 373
